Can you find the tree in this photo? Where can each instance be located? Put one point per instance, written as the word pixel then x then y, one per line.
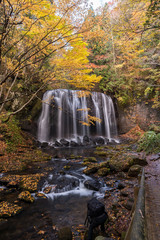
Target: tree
pixel 32 34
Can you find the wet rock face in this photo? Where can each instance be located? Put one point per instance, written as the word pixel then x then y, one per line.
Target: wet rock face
pixel 92 185
pixel 144 114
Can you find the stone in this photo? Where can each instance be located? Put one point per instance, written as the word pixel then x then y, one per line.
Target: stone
pixel 124 193
pixel 74 144
pixel 99 140
pixel 128 205
pixel 64 142
pixel 134 170
pixel 26 197
pixel 90 159
pixel 92 185
pixel 91 169
pixel 57 144
pixel 121 185
pixel 103 171
pixel 86 140
pixel 140 160
pixel 121 175
pixel 44 144
pixel 65 233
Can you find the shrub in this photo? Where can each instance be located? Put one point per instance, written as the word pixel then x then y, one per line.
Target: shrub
pixel 149 142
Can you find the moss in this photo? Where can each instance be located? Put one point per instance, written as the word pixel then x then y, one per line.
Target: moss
pixel 101 153
pixel 12 134
pixel 90 159
pixel 103 171
pixel 67 167
pixel 92 169
pixel 104 164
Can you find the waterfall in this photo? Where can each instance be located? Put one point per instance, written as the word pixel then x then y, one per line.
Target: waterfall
pixel 65 116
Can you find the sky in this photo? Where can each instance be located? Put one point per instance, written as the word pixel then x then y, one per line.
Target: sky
pixel 97 3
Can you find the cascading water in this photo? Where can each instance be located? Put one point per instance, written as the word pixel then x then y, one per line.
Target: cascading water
pixel 65 113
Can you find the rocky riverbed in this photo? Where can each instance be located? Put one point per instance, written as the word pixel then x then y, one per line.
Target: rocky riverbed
pixel 44 194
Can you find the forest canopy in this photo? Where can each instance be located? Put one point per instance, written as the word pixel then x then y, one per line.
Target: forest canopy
pixel 66 44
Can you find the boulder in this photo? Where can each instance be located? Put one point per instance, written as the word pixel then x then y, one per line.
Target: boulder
pixel 64 142
pixel 124 193
pixel 65 233
pixel 103 171
pixel 121 185
pixel 99 140
pixel 91 169
pixel 92 185
pixel 137 159
pixel 86 140
pixel 89 159
pixel 134 170
pixel 74 144
pixel 44 144
pixel 58 144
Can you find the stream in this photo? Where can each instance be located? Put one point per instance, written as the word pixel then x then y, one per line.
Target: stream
pixel 65 203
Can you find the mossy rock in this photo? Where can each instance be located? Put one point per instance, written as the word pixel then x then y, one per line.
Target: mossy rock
pixel 26 197
pixel 134 170
pixel 138 160
pixel 91 169
pixel 103 171
pixel 104 164
pixel 9 210
pixel 90 159
pixel 101 153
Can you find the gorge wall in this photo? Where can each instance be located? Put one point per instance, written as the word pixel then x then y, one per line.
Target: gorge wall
pixel 141 113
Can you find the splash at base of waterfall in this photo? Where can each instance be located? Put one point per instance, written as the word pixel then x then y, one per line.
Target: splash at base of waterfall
pixel 71 118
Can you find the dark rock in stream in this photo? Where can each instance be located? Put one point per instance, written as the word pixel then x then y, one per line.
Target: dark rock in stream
pixel 44 144
pixel 99 140
pixel 74 144
pixel 86 140
pixel 92 185
pixel 121 185
pixel 64 142
pixel 57 144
